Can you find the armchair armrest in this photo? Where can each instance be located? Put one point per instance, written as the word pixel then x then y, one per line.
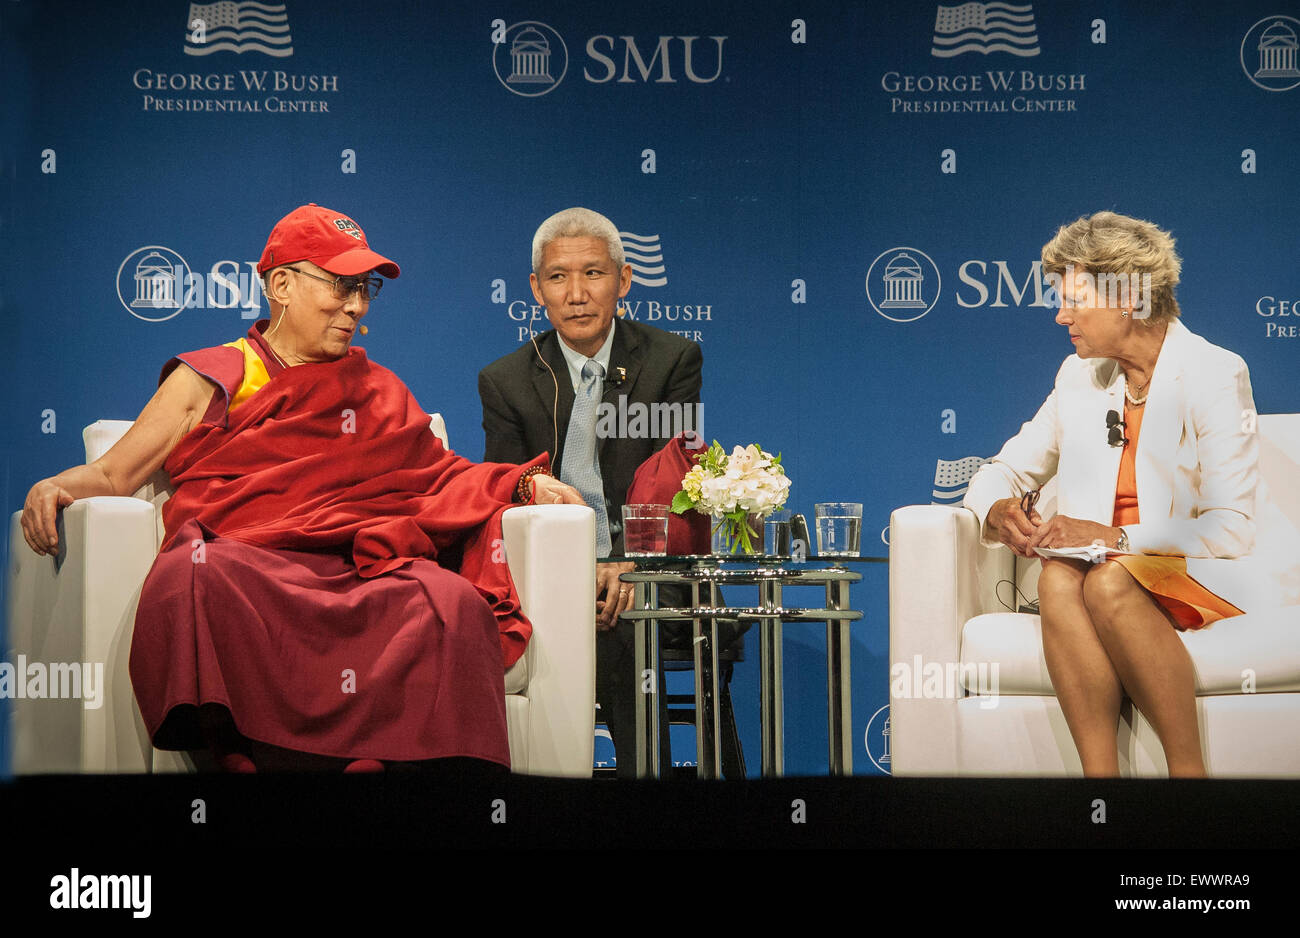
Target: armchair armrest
pixel 939 577
pixel 551 550
pixel 109 544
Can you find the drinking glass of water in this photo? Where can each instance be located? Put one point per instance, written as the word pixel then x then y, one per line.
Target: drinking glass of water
pixel 776 534
pixel 645 530
pixel 839 529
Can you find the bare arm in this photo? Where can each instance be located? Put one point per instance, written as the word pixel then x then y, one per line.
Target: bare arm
pixel 174 410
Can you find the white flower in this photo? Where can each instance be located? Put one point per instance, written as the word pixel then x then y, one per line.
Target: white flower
pixel 749 480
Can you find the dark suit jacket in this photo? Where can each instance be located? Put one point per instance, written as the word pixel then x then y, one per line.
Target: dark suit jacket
pixel 526 407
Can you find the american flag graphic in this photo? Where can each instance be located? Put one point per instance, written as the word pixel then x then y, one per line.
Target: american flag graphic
pixel 228 26
pixel 646 255
pixel 984 28
pixel 952 478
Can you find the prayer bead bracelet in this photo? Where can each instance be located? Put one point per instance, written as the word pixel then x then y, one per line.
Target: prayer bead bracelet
pixel 524 491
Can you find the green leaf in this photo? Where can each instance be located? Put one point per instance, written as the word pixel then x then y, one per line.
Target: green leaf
pixel 682 503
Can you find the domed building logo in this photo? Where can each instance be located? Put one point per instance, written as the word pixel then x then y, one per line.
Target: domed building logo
pixel 155 278
pixel 1269 53
pixel 878 731
pixel 531 60
pixel 903 284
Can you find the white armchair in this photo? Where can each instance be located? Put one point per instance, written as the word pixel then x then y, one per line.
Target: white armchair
pixel 949 618
pixel 82 609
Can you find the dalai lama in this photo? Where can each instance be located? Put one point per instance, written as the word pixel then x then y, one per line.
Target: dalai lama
pixel 303 612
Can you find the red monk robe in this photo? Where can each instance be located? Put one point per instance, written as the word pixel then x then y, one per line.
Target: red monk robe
pixel 306 580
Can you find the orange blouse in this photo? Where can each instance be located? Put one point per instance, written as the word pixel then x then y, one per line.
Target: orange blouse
pixel 1126 489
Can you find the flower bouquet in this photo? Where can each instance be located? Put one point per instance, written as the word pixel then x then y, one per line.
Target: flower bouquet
pixel 736 490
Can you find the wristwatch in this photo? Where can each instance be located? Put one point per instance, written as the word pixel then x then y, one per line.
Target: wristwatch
pixel 1122 544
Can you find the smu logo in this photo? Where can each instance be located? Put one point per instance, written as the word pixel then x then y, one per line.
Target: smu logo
pixel 1269 53
pixel 155 282
pixel 530 58
pixel 605 51
pixel 903 284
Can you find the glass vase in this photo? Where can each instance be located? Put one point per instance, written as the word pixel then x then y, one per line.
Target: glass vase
pixel 732 538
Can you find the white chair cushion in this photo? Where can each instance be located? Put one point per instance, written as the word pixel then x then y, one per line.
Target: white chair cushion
pixel 1012 641
pixel 517 676
pixel 1262 642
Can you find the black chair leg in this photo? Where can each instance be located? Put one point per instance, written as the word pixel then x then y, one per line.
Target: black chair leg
pixel 733 756
pixel 683 713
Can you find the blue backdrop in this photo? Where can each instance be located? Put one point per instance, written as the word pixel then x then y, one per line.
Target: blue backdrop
pixel 782 155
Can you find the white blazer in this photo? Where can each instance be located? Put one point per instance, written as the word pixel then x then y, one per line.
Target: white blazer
pixel 1197 453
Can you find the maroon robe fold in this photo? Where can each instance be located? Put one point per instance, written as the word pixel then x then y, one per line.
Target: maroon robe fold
pixel 306 582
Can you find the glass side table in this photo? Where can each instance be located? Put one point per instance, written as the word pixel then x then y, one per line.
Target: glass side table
pixel 705 575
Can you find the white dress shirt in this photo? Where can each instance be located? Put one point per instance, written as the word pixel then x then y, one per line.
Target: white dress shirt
pixel 575 360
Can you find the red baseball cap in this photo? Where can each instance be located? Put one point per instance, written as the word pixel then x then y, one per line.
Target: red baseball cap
pixel 329 239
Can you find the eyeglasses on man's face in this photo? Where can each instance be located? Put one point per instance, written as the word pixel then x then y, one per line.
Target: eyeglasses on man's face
pixel 344 287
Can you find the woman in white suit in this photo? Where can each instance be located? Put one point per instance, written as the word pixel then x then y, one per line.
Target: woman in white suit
pixel 1150 432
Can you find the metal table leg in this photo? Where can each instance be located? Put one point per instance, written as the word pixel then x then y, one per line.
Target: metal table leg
pixel 647 671
pixel 708 730
pixel 839 704
pixel 771 692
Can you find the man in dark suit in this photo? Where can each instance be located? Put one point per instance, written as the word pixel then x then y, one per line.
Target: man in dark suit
pixel 616 375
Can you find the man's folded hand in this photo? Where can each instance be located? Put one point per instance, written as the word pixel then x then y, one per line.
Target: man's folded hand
pixel 612 595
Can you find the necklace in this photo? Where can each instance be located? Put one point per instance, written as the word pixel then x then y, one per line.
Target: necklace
pixel 1136 401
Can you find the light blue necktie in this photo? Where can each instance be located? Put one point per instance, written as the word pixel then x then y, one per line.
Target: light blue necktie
pixel 581 468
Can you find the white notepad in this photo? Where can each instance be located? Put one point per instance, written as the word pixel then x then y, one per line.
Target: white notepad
pixel 1094 553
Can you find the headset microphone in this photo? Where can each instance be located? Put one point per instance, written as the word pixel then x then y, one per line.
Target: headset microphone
pixel 555 402
pixel 363 330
